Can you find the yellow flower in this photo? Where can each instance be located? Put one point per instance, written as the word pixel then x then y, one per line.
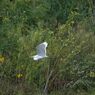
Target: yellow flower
pixel 2 59
pixel 19 75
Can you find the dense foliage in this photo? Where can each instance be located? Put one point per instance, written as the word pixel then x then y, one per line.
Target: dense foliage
pixel 68 27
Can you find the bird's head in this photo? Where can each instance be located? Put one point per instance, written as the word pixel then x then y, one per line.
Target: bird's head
pixel 45 43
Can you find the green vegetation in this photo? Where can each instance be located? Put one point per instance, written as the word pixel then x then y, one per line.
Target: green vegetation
pixel 69 28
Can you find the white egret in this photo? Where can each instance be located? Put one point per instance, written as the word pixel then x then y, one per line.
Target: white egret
pixel 41 51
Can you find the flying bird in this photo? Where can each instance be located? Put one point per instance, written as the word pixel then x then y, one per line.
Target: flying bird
pixel 41 51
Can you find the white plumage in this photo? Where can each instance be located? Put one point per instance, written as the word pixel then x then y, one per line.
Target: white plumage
pixel 41 51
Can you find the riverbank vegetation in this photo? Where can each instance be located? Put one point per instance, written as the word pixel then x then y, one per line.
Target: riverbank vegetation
pixel 68 26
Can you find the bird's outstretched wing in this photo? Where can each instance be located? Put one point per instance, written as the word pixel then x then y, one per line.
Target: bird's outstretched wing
pixel 41 50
